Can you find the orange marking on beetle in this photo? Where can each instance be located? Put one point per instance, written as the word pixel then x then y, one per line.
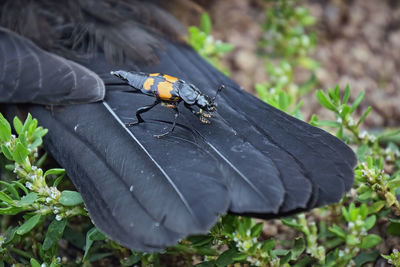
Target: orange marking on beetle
pixel 164 90
pixel 154 74
pixel 170 78
pixel 148 83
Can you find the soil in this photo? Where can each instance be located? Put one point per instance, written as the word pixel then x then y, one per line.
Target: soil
pixel 358 43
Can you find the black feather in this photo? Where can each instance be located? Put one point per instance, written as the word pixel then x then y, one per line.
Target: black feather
pixel 30 75
pixel 147 193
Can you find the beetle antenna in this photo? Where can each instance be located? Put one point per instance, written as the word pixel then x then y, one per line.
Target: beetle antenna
pixel 219 90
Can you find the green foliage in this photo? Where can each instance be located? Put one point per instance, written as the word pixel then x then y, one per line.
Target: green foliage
pixel 393 258
pixel 286 48
pixel 205 44
pixel 24 190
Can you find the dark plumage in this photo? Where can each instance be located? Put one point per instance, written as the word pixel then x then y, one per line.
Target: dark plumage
pixel 148 193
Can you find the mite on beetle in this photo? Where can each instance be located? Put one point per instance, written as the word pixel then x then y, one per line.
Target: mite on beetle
pixel 169 91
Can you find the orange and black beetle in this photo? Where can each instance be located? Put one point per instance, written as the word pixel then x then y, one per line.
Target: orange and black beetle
pixel 169 91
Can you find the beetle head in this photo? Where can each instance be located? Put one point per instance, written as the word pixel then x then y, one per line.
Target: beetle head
pixel 207 103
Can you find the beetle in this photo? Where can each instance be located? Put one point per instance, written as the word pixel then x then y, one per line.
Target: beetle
pixel 169 91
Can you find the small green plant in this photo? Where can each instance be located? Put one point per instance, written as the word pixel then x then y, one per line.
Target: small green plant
pixel 374 189
pixel 35 212
pixel 393 258
pixel 286 47
pixel 203 42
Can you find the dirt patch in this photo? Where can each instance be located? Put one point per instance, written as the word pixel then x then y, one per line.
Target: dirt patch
pixel 358 43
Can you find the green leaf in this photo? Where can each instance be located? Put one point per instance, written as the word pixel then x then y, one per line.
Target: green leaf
pixel 365 257
pixel 305 262
pixel 70 198
pixel 21 186
pixel 5 198
pixel 338 231
pixel 54 233
pixel 351 240
pixel 11 189
pixel 363 211
pixel 314 120
pixel 345 111
pixel 58 180
pixel 268 245
pixel 5 130
pixel 28 199
pixel 291 223
pixel 324 100
pixel 357 102
pixel 334 242
pixel 334 124
pixel 298 248
pixel 54 171
pixel 7 152
pixel 394 183
pixel 286 258
pixel 99 256
pixel 376 207
pixel 22 139
pixel 91 236
pixel 334 95
pixel 226 258
pixel 362 118
pixel 41 160
pixel 240 257
pixel 29 224
pixel 200 240
pixel 34 263
pixel 205 25
pixel 370 241
pixel 339 133
pixel 27 123
pixel 280 252
pixel 10 235
pixel 353 212
pixel 11 210
pixel 32 127
pixel 39 133
pixel 20 153
pixel 17 125
pixel 363 151
pixel 131 260
pixel 224 47
pixel 37 142
pixel 369 222
pixel 346 95
pixel 256 230
pixel 366 195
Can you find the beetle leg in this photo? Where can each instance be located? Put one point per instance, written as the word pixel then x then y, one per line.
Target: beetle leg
pixel 173 124
pixel 204 120
pixel 200 113
pixel 168 105
pixel 205 114
pixel 143 110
